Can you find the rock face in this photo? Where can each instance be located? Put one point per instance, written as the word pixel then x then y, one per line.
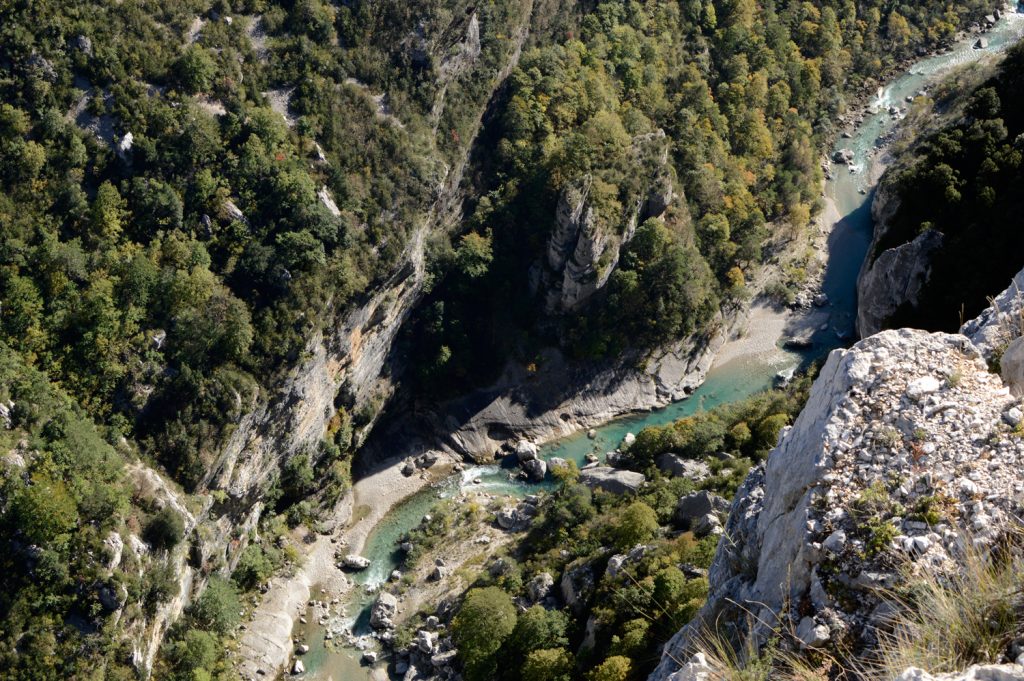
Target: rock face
pixel 896 278
pixel 564 397
pixel 697 505
pixel 612 480
pixel 899 418
pixel 584 246
pixel 992 672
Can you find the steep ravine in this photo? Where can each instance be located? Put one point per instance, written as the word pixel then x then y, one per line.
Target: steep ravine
pixel 351 357
pixel 354 357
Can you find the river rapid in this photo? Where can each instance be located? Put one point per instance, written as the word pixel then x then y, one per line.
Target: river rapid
pixel 850 190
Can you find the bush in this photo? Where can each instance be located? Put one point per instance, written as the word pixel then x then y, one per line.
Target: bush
pixel 615 668
pixel 217 608
pixel 636 524
pixel 164 530
pixel 255 566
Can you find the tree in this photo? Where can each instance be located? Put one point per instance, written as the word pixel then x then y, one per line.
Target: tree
pixel 107 213
pixel 217 609
pixel 768 430
pixel 539 628
pixel 195 69
pixel 254 567
pixel 635 525
pixel 486 618
pixel 196 651
pixel 44 509
pixel 474 255
pixel 548 664
pixel 615 668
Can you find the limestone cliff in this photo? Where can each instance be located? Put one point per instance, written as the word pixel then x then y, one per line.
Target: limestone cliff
pixel 584 246
pixel 897 277
pixel 345 364
pixel 901 418
pixel 876 301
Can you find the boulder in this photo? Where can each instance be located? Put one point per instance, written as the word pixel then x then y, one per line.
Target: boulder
pixel 526 451
pixel 83 44
pixel 508 518
pixel 425 641
pixel 697 669
pixel 115 546
pixel 445 659
pixel 707 524
pixel 991 672
pixel 1011 366
pixel 540 586
pixel 557 462
pixel 612 480
pixel 298 668
pixel 697 505
pixel 384 608
pixel 677 466
pixel 355 562
pixel 535 469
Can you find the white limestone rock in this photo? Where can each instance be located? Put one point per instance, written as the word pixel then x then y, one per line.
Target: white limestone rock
pixel 882 414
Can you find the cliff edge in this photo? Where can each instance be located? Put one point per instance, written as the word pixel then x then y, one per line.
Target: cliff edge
pixel 908 450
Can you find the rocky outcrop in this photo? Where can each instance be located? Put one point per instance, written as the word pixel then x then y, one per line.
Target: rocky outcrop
pixel 902 418
pixel 562 397
pixel 991 672
pixel 896 278
pixel 584 247
pixel 1000 324
pixel 612 480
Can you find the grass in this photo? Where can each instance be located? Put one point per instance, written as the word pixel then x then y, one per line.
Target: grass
pixel 777 660
pixel 941 623
pixel 947 623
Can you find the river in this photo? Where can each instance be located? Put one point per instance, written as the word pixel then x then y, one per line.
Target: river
pixel 850 189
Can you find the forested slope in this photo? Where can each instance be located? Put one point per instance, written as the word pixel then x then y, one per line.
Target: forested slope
pixel 744 94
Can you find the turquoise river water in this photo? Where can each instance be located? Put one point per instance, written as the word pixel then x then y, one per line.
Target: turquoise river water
pixel 848 243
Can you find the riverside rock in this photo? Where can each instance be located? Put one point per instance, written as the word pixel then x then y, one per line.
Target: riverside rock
pixel 384 608
pixel 869 420
pixel 526 451
pixel 612 480
pixel 536 469
pixel 355 562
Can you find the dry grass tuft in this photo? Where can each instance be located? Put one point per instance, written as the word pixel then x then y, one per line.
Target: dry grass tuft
pixel 945 623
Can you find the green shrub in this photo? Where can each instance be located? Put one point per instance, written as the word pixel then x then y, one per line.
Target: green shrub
pixel 217 609
pixel 165 529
